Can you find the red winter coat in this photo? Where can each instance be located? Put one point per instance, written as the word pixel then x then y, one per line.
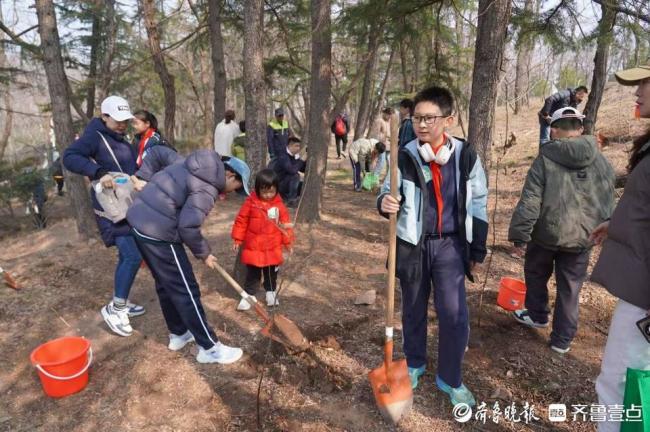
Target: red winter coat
pixel 261 238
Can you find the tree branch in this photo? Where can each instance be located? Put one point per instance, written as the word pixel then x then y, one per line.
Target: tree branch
pixel 286 33
pixel 626 11
pixel 34 49
pixel 34 27
pixel 75 104
pixel 23 113
pixel 167 48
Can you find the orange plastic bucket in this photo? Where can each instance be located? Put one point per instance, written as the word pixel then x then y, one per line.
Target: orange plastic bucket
pixel 62 365
pixel 512 294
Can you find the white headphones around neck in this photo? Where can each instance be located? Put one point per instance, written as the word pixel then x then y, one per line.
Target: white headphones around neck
pixel 443 155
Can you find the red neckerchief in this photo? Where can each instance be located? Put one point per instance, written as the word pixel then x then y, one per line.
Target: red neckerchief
pixel 145 137
pixel 436 177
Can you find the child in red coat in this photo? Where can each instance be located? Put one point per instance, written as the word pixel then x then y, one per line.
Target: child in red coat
pixel 262 228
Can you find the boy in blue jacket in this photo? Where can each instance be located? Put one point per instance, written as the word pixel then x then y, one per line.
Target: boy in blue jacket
pixel 167 214
pixel 441 233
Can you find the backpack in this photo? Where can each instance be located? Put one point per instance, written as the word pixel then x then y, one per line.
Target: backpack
pixel 115 201
pixel 339 126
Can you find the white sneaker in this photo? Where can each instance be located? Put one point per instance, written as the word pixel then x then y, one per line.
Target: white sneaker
pixel 177 342
pixel 219 353
pixel 243 305
pixel 560 350
pixel 118 321
pixel 271 299
pixel 135 309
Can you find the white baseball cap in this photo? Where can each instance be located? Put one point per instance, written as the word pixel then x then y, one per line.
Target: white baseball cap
pixel 568 112
pixel 117 107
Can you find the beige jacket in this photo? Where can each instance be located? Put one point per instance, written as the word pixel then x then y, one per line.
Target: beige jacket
pixel 360 149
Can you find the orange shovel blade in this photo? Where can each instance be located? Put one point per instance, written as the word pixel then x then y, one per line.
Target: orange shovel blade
pixel 391 386
pixel 10 281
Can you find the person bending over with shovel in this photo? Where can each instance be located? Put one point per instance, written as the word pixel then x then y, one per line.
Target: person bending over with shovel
pixel 167 214
pixel 441 230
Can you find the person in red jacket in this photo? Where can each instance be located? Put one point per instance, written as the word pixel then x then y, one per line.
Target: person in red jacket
pixel 262 228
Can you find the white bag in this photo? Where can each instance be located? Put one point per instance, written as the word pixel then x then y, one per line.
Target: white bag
pixel 115 201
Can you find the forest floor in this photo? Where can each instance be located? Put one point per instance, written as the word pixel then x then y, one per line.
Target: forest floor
pixel 136 383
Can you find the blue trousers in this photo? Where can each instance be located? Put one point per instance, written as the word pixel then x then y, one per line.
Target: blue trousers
pixel 128 264
pixel 290 187
pixel 442 267
pixel 544 132
pixel 381 161
pixel 356 174
pixel 177 289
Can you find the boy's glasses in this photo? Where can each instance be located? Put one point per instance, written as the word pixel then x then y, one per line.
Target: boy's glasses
pixel 427 119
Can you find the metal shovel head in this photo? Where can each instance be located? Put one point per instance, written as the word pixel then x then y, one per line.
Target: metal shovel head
pixel 281 329
pixel 391 386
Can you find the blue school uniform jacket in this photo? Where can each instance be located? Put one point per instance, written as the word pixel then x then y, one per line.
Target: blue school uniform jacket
pixel 471 192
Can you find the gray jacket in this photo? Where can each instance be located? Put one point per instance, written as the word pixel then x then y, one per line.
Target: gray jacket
pixel 176 201
pixel 561 99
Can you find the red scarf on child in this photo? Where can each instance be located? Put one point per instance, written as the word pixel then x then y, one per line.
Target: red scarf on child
pixel 436 178
pixel 143 141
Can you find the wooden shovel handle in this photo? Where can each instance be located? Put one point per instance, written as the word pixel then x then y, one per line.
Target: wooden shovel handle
pixel 392 235
pixel 233 283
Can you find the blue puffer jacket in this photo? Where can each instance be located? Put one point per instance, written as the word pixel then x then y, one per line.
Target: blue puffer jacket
pixel 158 158
pixel 174 204
pixel 89 156
pixel 155 140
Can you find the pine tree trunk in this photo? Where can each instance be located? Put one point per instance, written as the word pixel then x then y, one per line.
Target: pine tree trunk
pixel 382 91
pixel 490 39
pixel 104 74
pixel 364 103
pixel 95 38
pixel 166 79
pixel 8 123
pixel 58 87
pixel 319 113
pixel 406 85
pixel 605 36
pixel 254 99
pixel 415 81
pixel 523 60
pixel 307 103
pixel 218 59
pixel 254 85
pixel 208 118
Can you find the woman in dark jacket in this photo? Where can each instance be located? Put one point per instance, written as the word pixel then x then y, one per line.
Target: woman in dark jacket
pixel 90 156
pixel 623 267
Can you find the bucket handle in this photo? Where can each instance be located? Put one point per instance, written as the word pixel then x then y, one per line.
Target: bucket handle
pixel 78 374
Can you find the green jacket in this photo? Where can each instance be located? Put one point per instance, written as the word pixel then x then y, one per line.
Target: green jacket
pixel 569 191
